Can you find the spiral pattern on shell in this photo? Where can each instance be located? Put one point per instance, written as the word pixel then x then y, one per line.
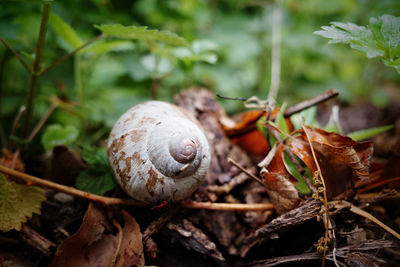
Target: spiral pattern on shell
pixel 158 152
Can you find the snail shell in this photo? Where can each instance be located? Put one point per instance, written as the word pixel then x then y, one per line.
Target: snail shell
pixel 158 152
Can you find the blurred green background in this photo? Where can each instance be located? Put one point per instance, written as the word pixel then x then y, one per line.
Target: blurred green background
pixel 230 54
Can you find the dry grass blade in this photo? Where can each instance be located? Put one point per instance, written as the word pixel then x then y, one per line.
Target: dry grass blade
pixel 369 216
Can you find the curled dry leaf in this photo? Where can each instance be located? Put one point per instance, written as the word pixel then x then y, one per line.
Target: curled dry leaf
pixel 342 160
pixel 280 183
pixel 244 133
pixel 95 245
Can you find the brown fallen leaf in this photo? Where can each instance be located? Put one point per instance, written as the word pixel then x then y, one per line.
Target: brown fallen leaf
pixel 131 251
pixel 342 160
pixel 280 183
pixel 95 245
pixel 90 245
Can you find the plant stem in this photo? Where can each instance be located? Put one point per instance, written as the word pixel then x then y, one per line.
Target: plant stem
pixel 36 68
pixel 228 206
pixel 67 189
pixel 67 56
pixel 16 55
pixel 275 51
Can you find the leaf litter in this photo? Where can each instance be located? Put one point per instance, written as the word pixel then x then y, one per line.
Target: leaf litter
pixel 333 166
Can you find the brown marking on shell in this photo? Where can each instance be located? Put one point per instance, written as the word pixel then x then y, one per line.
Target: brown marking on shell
pixel 117 144
pixel 137 135
pixel 151 181
pixel 123 174
pixel 146 120
pixel 136 157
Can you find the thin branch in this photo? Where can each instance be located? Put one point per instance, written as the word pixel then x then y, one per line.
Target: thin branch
pixel 368 216
pixel 326 217
pixel 65 57
pixel 68 190
pixel 246 171
pixel 42 121
pixel 231 98
pixel 310 102
pixel 276 50
pixel 15 125
pixel 36 68
pixel 16 55
pixel 228 206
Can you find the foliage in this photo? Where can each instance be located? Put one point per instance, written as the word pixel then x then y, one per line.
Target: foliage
pixel 56 134
pixel 98 179
pixel 141 33
pixel 18 202
pixel 380 39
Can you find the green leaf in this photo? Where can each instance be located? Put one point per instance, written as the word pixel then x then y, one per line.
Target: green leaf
pixel 65 31
pixel 95 182
pixel 105 47
pixel 141 33
pixel 58 135
pixel 380 39
pixel 308 116
pixel 95 157
pixel 358 37
pixel 18 202
pixel 301 184
pixel 368 133
pixel 98 179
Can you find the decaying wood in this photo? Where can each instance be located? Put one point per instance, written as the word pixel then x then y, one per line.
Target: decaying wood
pixel 36 240
pixel 308 210
pixel 354 255
pixel 192 238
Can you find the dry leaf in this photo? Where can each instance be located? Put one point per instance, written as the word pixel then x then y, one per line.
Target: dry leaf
pixel 131 251
pixel 279 183
pixel 90 246
pixel 342 160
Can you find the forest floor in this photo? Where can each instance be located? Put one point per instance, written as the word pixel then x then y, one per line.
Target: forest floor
pixel 71 231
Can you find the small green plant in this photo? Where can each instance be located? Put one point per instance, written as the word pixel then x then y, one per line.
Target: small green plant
pixel 380 39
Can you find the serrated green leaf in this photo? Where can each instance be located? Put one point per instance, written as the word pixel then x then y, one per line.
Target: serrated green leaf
pixel 368 133
pixel 65 31
pixel 98 179
pixel 141 33
pixel 58 135
pixel 96 158
pixel 18 202
pixel 380 39
pixel 95 182
pixel 105 47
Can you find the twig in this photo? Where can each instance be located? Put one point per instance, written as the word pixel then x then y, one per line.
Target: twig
pixel 42 121
pixel 69 190
pixel 369 187
pixel 276 50
pixel 245 171
pixel 15 124
pixel 368 216
pixel 36 68
pixel 120 237
pixel 228 206
pixel 73 52
pixel 231 98
pixel 310 102
pixel 325 202
pixel 16 55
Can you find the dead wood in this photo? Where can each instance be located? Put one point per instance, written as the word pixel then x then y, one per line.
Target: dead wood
pixel 353 255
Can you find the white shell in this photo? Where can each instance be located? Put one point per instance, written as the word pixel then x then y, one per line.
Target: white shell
pixel 139 152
